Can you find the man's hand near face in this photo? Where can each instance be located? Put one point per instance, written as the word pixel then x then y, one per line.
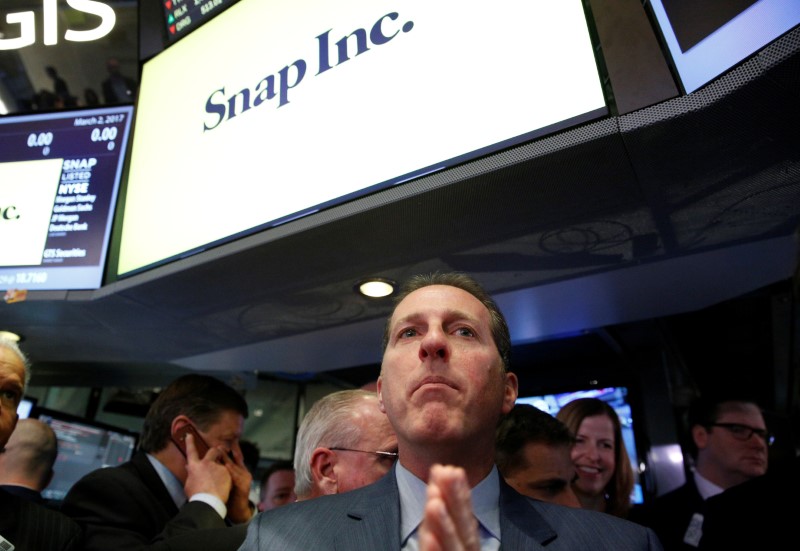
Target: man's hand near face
pixel 206 474
pixel 239 509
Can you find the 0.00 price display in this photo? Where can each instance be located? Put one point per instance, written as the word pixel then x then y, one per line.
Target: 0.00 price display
pixel 40 140
pixel 104 134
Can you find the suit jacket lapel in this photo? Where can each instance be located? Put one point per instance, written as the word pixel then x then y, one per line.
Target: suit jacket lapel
pixel 141 464
pixel 373 522
pixel 520 523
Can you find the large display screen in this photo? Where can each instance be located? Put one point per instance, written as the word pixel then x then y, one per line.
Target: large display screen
pixel 275 110
pixel 83 446
pixel 59 179
pixel 705 39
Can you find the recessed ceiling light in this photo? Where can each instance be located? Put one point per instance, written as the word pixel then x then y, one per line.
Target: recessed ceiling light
pixel 376 287
pixel 11 336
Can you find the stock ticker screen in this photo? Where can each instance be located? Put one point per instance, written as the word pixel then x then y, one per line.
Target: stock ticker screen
pixel 183 16
pixel 59 179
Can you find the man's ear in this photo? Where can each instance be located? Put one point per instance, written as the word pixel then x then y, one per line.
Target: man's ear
pixel 177 423
pixel 323 472
pixel 699 436
pixel 379 390
pixel 511 392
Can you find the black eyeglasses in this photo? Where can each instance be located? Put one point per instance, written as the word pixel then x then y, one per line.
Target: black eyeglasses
pixel 390 456
pixel 744 432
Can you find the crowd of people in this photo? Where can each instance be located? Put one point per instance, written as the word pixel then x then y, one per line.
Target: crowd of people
pixel 116 88
pixel 438 457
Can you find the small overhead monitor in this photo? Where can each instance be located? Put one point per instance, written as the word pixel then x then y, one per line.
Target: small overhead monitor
pixel 59 179
pixel 705 39
pixel 183 16
pixel 617 398
pixel 83 446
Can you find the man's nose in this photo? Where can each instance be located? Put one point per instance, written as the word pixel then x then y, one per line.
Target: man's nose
pixel 434 345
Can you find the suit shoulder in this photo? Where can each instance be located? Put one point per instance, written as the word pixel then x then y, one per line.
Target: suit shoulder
pixel 586 529
pixel 39 527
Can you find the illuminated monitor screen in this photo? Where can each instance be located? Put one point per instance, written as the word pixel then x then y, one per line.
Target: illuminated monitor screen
pixel 25 407
pixel 183 16
pixel 275 110
pixel 83 446
pixel 59 179
pixel 617 398
pixel 705 39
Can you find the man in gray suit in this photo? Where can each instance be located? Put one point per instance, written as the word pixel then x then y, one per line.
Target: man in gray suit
pixel 25 525
pixel 444 385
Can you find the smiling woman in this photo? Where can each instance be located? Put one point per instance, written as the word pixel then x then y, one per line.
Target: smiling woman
pixel 605 477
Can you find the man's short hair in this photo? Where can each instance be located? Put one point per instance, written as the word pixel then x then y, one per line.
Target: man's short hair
pixel 497 323
pixel 201 398
pixel 328 423
pixel 275 466
pixel 12 345
pixel 526 423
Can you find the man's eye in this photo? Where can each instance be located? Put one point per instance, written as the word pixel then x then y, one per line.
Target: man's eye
pixel 10 396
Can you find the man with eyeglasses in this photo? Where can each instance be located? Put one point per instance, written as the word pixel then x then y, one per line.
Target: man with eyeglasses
pixel 24 524
pixel 344 442
pixel 729 445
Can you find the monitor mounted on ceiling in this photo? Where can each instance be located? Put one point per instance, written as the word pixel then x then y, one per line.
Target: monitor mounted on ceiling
pixel 59 179
pixel 706 39
pixel 272 111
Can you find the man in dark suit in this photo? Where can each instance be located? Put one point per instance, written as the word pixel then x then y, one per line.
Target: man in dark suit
pixel 729 444
pixel 747 515
pixel 26 525
pixel 162 493
pixel 444 385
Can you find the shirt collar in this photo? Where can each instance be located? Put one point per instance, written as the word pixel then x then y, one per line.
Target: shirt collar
pixel 413 494
pixel 173 485
pixel 705 487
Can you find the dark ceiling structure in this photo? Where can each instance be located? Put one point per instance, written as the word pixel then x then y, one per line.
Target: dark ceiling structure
pixel 627 229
